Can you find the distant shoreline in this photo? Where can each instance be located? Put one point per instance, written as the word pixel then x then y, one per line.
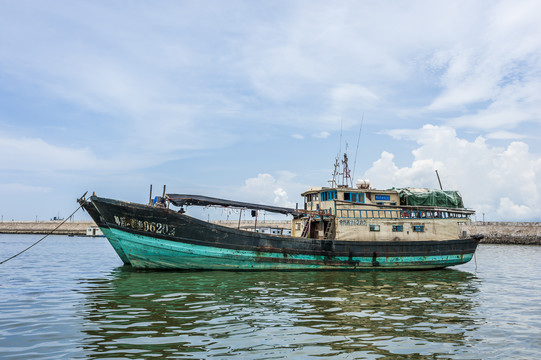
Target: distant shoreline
pixel 495 232
pixel 75 228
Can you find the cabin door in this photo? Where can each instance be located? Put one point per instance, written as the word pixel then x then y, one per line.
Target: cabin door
pixel 318 229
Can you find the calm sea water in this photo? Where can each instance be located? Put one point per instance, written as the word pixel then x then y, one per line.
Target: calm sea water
pixel 70 297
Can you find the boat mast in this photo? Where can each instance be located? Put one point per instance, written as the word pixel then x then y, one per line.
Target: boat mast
pixel 341 169
pixel 346 174
pixel 335 173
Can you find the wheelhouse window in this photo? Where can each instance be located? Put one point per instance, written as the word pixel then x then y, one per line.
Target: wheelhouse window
pixel 328 195
pixel 354 197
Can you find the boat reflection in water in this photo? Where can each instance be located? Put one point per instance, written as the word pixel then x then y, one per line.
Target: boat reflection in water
pixel 279 314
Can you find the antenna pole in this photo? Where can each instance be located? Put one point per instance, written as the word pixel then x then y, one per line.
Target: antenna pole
pixel 357 152
pixel 441 188
pixel 340 147
pixel 345 170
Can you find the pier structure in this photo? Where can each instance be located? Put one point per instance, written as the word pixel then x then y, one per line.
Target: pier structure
pixel 499 232
pixel 74 228
pixel 495 232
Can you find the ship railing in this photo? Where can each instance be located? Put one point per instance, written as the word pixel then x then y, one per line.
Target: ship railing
pixel 402 214
pixel 322 213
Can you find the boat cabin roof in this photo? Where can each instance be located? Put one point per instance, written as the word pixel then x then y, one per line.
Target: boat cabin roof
pixel 316 190
pixel 199 200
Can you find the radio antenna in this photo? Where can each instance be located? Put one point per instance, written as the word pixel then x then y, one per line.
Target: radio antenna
pixel 336 171
pixel 340 145
pixel 356 152
pixel 438 175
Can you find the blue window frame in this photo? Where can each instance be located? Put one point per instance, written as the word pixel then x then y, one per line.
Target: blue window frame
pixel 398 228
pixel 418 228
pixel 328 195
pixel 354 197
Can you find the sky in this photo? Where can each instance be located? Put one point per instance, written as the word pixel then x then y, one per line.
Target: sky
pixel 254 100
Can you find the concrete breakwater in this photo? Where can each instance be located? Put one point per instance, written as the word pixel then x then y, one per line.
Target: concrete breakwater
pixel 523 233
pixel 496 232
pixel 78 228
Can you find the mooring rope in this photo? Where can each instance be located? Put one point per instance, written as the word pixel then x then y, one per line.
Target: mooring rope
pixel 34 244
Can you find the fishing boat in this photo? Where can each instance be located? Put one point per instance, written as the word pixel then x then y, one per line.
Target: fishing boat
pixel 338 227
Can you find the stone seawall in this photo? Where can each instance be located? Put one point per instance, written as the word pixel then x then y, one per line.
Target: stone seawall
pixel 523 233
pixel 78 228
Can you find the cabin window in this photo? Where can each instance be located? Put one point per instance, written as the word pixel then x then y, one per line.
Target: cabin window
pixel 354 197
pixel 398 228
pixel 328 195
pixel 374 227
pixel 418 228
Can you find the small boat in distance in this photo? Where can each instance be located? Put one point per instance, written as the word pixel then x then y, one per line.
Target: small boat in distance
pixel 340 227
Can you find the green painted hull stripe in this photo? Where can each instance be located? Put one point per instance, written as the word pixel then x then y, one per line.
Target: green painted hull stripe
pixel 148 252
pixel 115 244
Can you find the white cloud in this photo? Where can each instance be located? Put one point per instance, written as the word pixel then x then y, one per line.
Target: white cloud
pixel 280 197
pixel 113 66
pixel 504 183
pixel 493 79
pixel 348 97
pixel 159 83
pixel 513 212
pixel 33 154
pixel 505 135
pixel 321 135
pixel 129 67
pixel 268 190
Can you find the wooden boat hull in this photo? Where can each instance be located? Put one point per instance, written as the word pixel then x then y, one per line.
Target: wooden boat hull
pixel 159 238
pixel 113 240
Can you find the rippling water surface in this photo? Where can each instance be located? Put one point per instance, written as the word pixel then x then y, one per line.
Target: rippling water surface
pixel 70 297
